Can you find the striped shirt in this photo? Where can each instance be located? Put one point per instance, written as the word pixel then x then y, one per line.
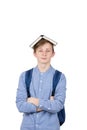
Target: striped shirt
pixel 41 87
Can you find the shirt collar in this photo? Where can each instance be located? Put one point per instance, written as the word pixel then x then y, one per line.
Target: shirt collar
pixel 43 73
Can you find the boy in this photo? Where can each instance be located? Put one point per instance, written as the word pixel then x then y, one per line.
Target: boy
pixel 40 109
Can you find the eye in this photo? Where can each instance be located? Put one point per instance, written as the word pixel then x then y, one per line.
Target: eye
pixel 40 50
pixel 47 50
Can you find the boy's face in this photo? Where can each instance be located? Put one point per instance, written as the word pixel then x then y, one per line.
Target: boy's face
pixel 44 53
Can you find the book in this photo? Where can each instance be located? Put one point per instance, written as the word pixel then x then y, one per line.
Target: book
pixel 43 37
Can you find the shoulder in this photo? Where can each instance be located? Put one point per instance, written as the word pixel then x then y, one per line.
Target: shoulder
pixel 23 74
pixel 62 75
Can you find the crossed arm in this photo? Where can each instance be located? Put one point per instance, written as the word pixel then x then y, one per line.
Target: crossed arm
pixel 31 104
pixel 35 101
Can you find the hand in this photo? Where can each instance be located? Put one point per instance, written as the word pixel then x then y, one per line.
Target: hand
pixel 52 98
pixel 38 110
pixel 33 100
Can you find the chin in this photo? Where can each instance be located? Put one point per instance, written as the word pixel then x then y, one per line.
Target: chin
pixel 44 62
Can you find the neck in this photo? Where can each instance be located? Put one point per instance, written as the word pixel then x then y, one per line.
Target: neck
pixel 43 67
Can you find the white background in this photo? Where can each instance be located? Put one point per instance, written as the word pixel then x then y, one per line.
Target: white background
pixel 21 22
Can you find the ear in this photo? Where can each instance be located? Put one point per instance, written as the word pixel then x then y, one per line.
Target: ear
pixel 34 54
pixel 53 54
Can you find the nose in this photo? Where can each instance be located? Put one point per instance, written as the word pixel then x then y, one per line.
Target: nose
pixel 44 53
